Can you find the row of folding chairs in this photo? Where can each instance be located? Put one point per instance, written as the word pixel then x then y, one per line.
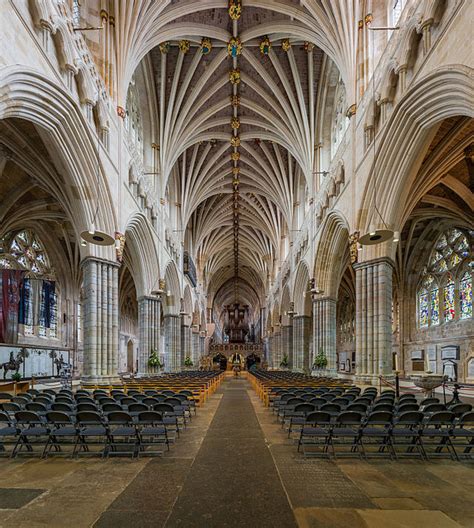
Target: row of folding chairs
pixel 88 433
pixel 382 434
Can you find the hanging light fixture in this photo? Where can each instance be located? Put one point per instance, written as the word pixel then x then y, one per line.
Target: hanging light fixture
pixel 375 235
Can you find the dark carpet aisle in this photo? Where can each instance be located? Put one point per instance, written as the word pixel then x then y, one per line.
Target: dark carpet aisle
pixel 233 480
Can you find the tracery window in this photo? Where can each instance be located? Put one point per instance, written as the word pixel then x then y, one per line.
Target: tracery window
pixel 445 292
pixel 24 253
pixel 76 12
pixel 133 118
pixel 465 294
pixel 340 120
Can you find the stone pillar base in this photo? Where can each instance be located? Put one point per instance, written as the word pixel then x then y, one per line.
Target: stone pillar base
pixel 370 379
pixel 100 380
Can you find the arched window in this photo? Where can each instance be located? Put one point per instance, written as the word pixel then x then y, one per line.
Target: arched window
pixel 444 276
pixel 449 308
pixel 465 295
pixel 340 121
pixel 133 118
pixel 38 301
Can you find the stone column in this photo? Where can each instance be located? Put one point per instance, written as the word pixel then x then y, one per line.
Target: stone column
pixel 172 324
pixel 373 319
pixel 301 335
pixel 185 343
pixel 101 320
pixel 324 330
pixel 287 342
pixel 270 354
pixel 276 351
pixel 149 321
pixel 195 346
pixel 202 345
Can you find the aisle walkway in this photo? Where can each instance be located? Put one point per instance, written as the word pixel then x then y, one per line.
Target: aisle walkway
pixel 233 481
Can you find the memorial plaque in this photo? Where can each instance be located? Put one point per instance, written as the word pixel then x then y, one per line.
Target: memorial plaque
pixel 450 352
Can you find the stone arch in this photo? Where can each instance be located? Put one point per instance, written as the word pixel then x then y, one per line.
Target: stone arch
pixel 140 242
pixel 27 95
pixel 171 301
pixel 443 93
pixel 301 289
pixel 332 254
pixel 188 304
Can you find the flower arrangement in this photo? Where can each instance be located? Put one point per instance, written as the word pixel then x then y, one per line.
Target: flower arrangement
pixel 320 361
pixel 188 362
pixel 284 362
pixel 154 360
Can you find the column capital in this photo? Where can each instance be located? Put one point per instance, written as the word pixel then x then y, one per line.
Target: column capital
pixel 324 299
pixel 369 263
pixel 91 258
pixel 149 298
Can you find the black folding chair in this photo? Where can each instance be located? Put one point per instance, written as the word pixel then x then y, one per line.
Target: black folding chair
pixel 405 433
pixel 122 434
pixel 298 416
pixel 93 431
pixel 435 436
pixel 151 433
pixel 460 409
pixel 462 436
pixel 8 433
pixel 63 432
pixel 33 432
pixel 347 433
pixel 316 434
pixel 375 432
pixel 169 418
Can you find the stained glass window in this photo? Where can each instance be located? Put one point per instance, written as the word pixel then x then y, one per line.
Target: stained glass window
pixel 434 306
pixel 449 308
pixel 423 309
pixel 465 294
pixel 24 251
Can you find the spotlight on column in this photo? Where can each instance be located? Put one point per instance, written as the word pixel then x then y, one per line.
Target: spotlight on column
pixel 396 236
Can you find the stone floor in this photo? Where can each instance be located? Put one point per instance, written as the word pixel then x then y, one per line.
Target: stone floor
pixel 235 467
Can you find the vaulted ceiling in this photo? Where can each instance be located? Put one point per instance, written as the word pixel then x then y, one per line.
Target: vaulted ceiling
pixel 236 134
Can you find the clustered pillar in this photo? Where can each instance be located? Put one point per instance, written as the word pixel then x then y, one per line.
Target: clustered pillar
pixel 324 330
pixel 195 346
pixel 149 314
pixel 287 343
pixel 172 324
pixel 276 349
pixel 186 343
pixel 101 319
pixel 301 335
pixel 373 319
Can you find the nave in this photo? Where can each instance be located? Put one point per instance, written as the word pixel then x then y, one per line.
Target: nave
pixel 235 466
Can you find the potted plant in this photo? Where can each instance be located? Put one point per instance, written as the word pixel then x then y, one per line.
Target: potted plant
pixel 284 363
pixel 16 376
pixel 320 361
pixel 154 361
pixel 188 363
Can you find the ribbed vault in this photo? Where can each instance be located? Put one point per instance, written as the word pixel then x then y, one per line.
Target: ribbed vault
pixel 236 111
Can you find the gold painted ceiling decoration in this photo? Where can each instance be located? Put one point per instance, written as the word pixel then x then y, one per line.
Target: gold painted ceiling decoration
pixel 286 45
pixel 234 76
pixel 235 156
pixel 164 47
pixel 235 141
pixel 235 123
pixel 265 46
pixel 206 46
pixel 234 47
pixel 184 46
pixel 235 100
pixel 235 9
